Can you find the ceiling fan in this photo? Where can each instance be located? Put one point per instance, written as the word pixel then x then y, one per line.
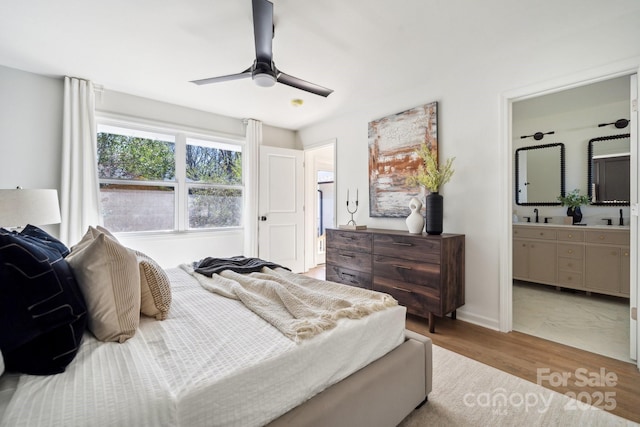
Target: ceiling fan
pixel 263 71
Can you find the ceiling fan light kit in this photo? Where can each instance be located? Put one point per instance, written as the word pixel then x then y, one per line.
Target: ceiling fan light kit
pixel 264 79
pixel 263 71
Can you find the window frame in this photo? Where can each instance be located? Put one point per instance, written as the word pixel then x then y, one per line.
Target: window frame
pixel 181 186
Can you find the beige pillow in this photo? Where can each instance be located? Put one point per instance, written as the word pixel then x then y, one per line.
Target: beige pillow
pixel 109 278
pixel 155 288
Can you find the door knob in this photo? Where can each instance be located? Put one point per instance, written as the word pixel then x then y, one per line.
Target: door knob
pixel 263 218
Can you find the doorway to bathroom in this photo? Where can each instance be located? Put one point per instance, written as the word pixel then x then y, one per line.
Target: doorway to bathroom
pixel 554 289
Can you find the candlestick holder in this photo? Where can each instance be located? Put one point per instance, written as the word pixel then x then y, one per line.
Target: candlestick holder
pixel 351 225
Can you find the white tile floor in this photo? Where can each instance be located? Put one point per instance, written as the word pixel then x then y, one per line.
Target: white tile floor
pixel 596 323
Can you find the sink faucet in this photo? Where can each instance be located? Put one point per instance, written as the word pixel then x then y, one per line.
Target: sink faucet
pixel 535 211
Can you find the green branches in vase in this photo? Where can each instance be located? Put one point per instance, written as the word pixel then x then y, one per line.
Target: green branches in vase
pixel 432 178
pixel 429 175
pixel 573 200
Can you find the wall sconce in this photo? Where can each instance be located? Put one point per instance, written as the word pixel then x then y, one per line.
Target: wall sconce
pixel 620 124
pixel 538 135
pixel 20 207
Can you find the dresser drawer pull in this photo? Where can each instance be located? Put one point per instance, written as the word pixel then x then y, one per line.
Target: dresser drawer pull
pixel 347 274
pixel 402 244
pixel 346 236
pixel 346 256
pixel 402 267
pixel 601 237
pixel 402 289
pixel 570 251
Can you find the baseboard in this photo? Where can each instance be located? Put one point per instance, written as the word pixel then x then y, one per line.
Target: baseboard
pixel 476 319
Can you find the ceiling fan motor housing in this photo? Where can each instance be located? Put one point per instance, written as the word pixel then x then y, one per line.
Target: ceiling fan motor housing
pixel 264 75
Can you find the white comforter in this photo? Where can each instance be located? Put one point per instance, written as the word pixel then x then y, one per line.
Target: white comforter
pixel 211 363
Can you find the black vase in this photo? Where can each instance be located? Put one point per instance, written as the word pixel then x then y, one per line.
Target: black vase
pixel 434 213
pixel 576 213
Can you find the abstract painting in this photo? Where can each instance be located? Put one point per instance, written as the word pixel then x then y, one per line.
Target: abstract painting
pixel 392 144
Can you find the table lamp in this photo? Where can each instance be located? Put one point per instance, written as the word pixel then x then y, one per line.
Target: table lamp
pixel 19 207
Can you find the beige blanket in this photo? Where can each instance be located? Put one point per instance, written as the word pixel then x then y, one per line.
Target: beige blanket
pixel 298 306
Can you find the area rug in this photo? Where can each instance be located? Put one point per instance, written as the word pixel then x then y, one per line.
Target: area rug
pixel 469 393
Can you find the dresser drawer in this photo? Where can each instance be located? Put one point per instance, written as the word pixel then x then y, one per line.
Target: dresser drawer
pixel 570 279
pixel 607 237
pixel 351 240
pixel 570 264
pixel 570 250
pixel 418 299
pixel 406 271
pixel 359 261
pixel 534 233
pixel 422 249
pixel 570 235
pixel 346 276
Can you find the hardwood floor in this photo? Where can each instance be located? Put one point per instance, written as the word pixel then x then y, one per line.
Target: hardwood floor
pixel 602 381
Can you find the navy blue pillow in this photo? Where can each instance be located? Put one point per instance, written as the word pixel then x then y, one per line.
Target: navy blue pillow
pixel 42 311
pixel 42 236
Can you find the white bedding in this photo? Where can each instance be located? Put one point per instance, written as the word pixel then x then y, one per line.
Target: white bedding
pixel 211 363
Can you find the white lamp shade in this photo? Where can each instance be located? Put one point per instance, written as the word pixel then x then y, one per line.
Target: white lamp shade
pixel 20 207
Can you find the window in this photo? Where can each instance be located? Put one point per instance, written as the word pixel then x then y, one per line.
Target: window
pixel 214 183
pixel 154 181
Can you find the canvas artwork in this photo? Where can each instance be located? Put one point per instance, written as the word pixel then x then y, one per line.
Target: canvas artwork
pixel 392 144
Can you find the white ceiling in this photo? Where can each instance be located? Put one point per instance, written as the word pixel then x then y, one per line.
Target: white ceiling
pixel 365 50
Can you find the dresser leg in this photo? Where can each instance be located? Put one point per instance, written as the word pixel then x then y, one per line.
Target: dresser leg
pixel 453 315
pixel 432 323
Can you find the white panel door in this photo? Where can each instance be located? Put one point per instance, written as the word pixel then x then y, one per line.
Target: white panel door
pixel 281 207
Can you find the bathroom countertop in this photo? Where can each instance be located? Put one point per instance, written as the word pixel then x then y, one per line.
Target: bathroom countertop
pixel 587 226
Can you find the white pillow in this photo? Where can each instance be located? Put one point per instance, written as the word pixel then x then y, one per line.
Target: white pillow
pixel 109 278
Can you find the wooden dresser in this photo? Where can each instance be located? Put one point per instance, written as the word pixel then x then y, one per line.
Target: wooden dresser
pixel 424 273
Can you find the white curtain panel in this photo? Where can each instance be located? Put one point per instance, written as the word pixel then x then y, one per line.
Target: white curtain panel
pixel 251 175
pixel 80 191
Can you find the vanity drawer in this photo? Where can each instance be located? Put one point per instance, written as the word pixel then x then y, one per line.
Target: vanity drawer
pixel 570 264
pixel 534 233
pixel 350 240
pixel 570 279
pixel 570 250
pixel 608 237
pixel 571 235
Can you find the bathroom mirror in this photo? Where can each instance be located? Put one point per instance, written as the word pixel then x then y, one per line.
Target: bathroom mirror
pixel 540 175
pixel 609 168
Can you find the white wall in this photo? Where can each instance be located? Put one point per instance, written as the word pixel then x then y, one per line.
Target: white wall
pixel 469 90
pixel 31 129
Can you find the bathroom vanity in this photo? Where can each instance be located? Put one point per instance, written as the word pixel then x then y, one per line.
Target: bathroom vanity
pixel 589 258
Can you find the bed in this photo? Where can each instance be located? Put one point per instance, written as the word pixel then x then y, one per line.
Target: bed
pixel 214 362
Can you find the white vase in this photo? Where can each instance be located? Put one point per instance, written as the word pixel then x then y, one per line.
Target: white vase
pixel 415 221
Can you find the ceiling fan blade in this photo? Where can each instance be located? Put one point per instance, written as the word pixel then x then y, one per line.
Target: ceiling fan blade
pixel 245 74
pixel 303 85
pixel 263 30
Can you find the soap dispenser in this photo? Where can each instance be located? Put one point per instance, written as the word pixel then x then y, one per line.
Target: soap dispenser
pixel 515 216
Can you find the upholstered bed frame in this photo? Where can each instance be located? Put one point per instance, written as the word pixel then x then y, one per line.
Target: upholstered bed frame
pixel 380 394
